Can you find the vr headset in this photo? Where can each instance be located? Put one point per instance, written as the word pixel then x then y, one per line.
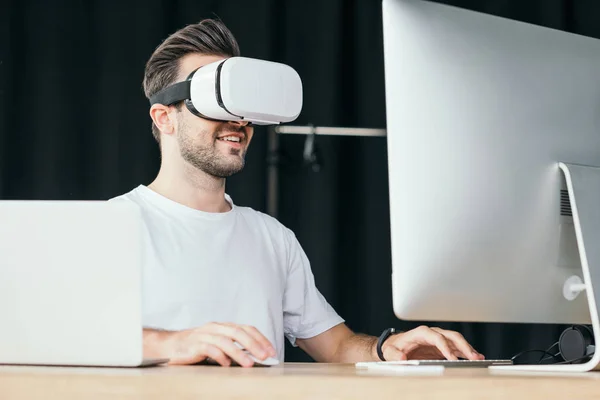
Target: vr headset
pixel 239 89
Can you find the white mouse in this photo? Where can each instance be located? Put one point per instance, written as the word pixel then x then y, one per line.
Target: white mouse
pixel 269 361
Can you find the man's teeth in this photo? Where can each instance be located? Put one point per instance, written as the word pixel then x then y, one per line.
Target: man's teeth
pixel 231 138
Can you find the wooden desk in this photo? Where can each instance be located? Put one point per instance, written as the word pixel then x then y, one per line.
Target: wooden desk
pixel 289 381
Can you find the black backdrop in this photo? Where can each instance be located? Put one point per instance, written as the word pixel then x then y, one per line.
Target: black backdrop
pixel 74 124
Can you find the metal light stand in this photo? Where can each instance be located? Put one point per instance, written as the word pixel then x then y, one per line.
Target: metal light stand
pixel 309 151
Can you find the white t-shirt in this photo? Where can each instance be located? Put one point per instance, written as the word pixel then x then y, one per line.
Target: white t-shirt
pixel 240 266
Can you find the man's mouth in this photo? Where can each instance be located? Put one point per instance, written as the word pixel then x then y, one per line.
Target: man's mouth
pixel 232 139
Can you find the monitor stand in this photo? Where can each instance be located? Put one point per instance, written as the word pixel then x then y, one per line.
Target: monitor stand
pixel 583 184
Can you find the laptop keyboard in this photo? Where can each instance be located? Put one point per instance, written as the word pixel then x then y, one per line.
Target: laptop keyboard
pixel 445 363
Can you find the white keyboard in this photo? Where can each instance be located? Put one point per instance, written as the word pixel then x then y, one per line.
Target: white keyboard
pixel 444 363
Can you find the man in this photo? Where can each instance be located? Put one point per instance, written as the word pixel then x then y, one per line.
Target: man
pixel 217 273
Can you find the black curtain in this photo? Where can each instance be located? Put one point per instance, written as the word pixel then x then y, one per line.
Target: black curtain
pixel 74 124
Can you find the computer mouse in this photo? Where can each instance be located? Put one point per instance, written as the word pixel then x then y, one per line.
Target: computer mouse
pixel 269 361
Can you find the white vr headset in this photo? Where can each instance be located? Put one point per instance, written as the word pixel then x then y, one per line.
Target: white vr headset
pixel 239 89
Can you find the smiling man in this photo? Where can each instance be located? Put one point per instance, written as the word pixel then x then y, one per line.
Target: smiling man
pixel 217 273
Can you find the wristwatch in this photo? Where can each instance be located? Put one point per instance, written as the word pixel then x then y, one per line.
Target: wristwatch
pixel 386 334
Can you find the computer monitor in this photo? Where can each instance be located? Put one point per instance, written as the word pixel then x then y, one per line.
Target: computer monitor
pixel 482 112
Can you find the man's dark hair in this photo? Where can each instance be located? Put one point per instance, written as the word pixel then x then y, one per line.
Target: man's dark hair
pixel 209 37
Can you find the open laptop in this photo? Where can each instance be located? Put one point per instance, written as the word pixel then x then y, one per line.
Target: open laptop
pixel 70 284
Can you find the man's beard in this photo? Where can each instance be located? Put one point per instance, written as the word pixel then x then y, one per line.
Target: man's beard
pixel 206 157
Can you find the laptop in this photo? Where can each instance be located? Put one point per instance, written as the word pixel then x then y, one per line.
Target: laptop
pixel 70 284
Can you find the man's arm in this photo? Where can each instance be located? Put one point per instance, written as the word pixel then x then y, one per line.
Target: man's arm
pixel 340 345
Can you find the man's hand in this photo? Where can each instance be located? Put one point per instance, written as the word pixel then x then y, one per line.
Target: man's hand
pixel 426 343
pixel 214 340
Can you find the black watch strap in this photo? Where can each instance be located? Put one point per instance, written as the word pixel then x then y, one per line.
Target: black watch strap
pixel 386 334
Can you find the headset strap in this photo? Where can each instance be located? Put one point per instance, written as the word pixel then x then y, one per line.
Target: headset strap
pixel 172 94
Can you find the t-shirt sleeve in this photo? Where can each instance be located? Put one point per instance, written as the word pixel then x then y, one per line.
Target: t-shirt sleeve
pixel 306 313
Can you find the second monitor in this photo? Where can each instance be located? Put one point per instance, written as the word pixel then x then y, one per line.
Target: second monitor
pixel 481 112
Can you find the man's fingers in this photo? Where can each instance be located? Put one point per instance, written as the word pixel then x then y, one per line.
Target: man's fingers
pixel 426 336
pixel 244 338
pixel 260 338
pixel 442 343
pixel 425 342
pixel 460 343
pixel 227 346
pixel 457 352
pixel 197 354
pixel 218 355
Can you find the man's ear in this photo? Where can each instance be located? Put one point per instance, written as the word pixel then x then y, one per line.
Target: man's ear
pixel 162 117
